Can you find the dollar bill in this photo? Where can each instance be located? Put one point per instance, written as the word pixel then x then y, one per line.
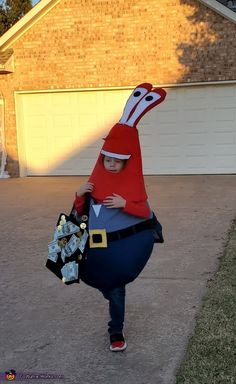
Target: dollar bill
pixel 65 230
pixel 53 247
pixel 82 241
pixel 73 271
pixel 63 257
pixel 70 247
pixel 70 271
pixel 53 256
pixel 64 274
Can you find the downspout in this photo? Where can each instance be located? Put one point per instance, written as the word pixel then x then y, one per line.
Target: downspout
pixel 3 154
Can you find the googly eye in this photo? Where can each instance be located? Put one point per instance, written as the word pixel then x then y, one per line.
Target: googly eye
pixel 137 94
pixel 148 98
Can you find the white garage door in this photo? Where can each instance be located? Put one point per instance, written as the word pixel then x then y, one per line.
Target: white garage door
pixel 192 132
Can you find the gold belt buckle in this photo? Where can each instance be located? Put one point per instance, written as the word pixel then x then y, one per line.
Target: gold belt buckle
pixel 97 238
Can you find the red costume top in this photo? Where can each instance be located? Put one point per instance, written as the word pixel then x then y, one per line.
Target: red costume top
pixel 122 142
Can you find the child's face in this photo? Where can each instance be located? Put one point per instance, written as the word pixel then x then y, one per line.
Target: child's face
pixel 112 164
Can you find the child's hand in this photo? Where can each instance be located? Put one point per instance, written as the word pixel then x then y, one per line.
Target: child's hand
pixel 85 188
pixel 114 201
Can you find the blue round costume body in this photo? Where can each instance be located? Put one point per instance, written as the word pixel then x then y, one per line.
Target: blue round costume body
pixel 118 264
pixel 121 260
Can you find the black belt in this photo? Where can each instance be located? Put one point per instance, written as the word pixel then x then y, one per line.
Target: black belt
pixel 122 233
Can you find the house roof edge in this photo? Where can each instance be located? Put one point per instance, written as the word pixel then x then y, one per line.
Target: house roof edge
pixel 26 22
pixel 220 9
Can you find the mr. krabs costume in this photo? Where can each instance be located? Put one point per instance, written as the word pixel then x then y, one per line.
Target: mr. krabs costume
pixel 121 240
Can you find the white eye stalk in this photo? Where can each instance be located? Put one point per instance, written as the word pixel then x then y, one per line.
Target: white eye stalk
pixel 142 99
pixel 139 92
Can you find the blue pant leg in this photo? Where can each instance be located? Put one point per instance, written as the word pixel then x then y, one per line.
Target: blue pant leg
pixel 116 299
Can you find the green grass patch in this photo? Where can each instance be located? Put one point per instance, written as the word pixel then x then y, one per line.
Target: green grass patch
pixel 211 353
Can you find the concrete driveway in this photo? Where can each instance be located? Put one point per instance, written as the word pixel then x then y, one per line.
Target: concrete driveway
pixel 52 328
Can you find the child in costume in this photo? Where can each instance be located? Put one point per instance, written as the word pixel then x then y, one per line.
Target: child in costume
pixel 121 223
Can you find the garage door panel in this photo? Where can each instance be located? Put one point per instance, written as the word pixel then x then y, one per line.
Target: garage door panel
pixel 86 165
pixel 225 163
pixel 195 115
pixel 196 151
pixel 196 128
pixel 194 103
pixel 224 150
pixel 224 114
pixel 90 152
pixel 169 140
pixel 196 139
pixel 168 116
pixel 224 128
pixel 225 138
pixel 62 143
pixel 220 93
pixel 195 162
pixel 168 165
pixel 223 102
pixel 147 131
pixel 170 151
pixel 164 129
pixel 109 120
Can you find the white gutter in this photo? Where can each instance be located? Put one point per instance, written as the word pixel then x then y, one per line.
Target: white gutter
pixel 3 160
pixel 114 88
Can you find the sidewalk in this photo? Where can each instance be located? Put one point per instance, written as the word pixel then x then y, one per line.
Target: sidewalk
pixel 57 329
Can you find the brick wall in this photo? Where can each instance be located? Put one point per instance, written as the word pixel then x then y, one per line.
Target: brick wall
pixel 1 133
pixel 98 43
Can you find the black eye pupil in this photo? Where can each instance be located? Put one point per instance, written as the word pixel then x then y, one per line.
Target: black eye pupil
pixel 148 98
pixel 137 93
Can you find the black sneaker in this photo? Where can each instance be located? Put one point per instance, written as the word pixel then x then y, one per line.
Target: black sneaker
pixel 117 342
